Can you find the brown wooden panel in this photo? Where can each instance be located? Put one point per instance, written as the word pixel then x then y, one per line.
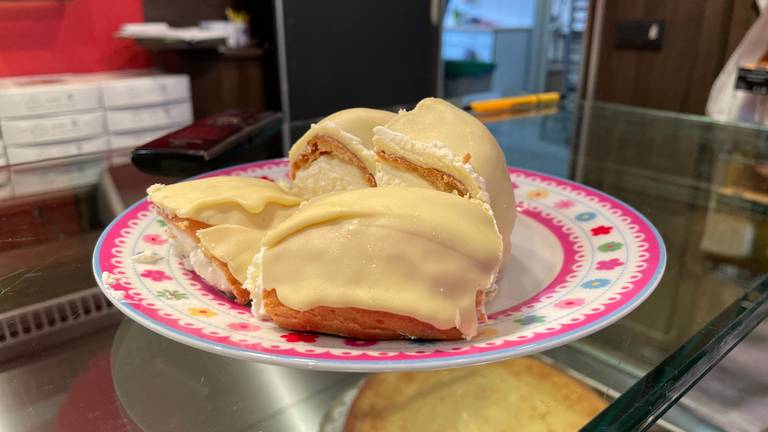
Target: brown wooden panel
pixel 678 76
pixel 744 14
pixel 221 81
pixel 184 12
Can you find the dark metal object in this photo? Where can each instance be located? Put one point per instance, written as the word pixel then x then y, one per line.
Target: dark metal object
pixel 225 139
pixel 640 35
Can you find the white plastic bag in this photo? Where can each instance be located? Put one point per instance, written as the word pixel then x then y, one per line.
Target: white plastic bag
pixel 725 101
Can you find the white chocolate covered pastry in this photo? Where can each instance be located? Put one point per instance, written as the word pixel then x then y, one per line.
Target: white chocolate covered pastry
pixel 336 154
pixel 441 146
pixel 379 263
pixel 216 224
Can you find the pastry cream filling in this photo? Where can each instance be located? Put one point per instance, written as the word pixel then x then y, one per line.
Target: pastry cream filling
pixel 194 258
pixel 352 127
pixel 409 251
pixel 327 174
pixel 391 175
pixel 226 200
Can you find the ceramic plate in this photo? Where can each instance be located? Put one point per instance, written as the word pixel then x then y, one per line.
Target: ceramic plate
pixel 580 261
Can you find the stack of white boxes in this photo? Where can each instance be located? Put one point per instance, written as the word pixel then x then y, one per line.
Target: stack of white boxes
pixel 48 117
pixel 142 108
pixel 55 116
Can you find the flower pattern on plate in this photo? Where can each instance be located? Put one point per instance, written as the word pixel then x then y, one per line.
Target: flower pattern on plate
pixel 585 216
pixel 601 230
pixel 564 204
pixel 243 326
pixel 537 194
pixel 570 303
pixel 156 275
pixel 175 300
pixel 295 337
pixel 531 319
pixel 359 343
pixel 167 294
pixel 609 264
pixel 596 283
pixel 201 312
pixel 154 239
pixel 610 246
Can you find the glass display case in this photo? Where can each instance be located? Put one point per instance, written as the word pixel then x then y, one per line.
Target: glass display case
pixel 70 361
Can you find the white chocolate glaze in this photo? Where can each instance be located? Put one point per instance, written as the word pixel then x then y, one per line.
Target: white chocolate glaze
pixel 438 135
pixel 225 200
pixel 409 251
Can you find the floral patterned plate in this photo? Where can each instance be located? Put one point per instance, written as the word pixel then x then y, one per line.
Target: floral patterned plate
pixel 580 261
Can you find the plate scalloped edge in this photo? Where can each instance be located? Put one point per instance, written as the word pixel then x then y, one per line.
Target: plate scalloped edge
pixel 149 295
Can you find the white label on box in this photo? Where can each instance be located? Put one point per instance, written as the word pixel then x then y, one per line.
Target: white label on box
pixel 135 139
pixel 149 90
pixel 137 119
pixel 35 100
pixel 52 129
pixel 18 155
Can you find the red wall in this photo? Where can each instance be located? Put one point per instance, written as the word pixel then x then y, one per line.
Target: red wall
pixel 52 36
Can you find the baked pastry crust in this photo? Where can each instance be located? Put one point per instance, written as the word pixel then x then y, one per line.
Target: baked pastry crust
pixel 356 323
pixel 523 394
pixel 440 180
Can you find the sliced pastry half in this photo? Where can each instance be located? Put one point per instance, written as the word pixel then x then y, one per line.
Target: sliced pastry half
pixel 379 263
pixel 216 224
pixel 440 146
pixel 336 153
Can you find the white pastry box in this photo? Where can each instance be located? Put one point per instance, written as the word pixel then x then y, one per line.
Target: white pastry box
pixel 25 154
pixel 154 117
pixel 41 130
pixel 41 95
pixel 145 90
pixel 135 139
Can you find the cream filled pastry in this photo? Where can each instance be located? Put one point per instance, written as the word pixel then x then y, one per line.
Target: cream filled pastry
pixel 337 154
pixel 437 145
pixel 379 263
pixel 216 224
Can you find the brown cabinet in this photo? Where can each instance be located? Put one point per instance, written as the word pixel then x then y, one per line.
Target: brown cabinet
pixel 222 79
